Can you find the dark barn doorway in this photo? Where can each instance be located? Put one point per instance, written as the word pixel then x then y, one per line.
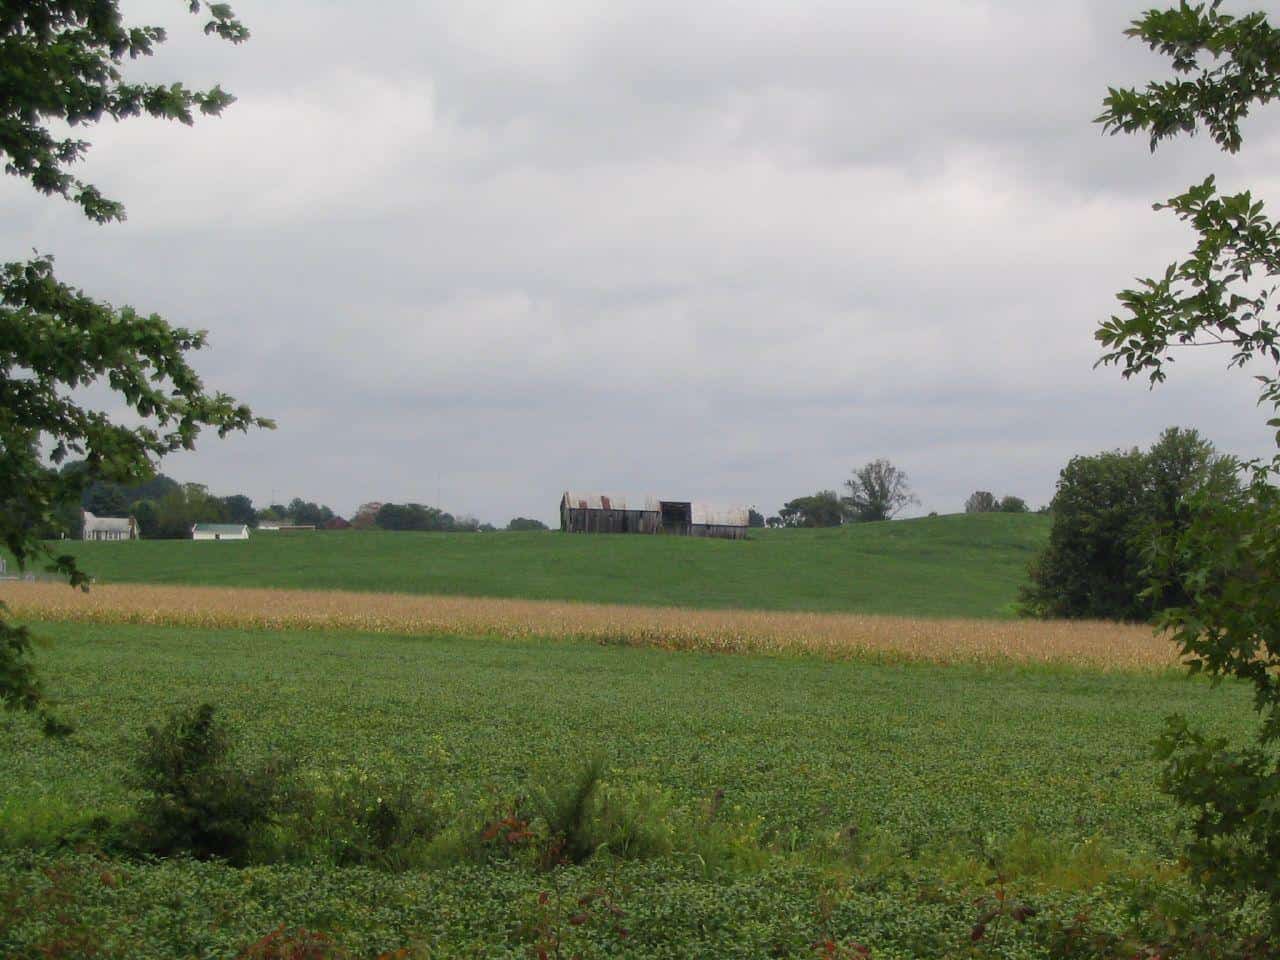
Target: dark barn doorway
pixel 677 517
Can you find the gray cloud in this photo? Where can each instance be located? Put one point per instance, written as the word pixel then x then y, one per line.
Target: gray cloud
pixel 721 249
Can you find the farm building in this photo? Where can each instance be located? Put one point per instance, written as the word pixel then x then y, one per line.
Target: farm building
pixel 599 513
pixel 108 528
pixel 220 531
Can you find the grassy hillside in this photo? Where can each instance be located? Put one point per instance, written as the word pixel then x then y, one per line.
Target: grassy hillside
pixel 943 566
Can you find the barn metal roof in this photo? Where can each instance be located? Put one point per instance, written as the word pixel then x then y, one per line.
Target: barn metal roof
pixel 604 501
pixel 107 524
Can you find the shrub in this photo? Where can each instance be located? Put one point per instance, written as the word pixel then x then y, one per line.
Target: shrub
pixel 525 523
pixel 566 808
pixel 199 803
pixel 633 823
pixel 350 820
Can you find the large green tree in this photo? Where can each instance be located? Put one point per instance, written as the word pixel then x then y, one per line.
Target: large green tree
pixel 61 68
pixel 1108 510
pixel 1226 561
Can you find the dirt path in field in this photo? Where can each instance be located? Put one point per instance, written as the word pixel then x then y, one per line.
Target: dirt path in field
pixel 1107 646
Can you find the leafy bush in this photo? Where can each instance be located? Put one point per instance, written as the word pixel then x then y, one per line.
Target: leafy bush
pixel 633 822
pixel 198 802
pixel 1227 566
pixel 350 820
pixel 525 523
pixel 566 807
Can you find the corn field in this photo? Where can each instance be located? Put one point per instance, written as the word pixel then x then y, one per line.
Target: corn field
pixel 1096 645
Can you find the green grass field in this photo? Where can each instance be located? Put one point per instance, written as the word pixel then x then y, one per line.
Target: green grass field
pixel 966 566
pixel 882 800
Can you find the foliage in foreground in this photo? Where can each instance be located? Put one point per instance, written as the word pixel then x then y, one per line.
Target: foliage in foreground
pixel 63 64
pixel 200 805
pixel 1223 566
pixel 844 816
pixel 1228 565
pixel 76 905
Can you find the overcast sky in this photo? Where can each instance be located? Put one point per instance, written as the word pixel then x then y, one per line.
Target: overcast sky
pixel 726 251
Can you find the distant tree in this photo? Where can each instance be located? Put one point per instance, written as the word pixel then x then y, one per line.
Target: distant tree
pixel 755 518
pixel 821 509
pixel 1010 504
pixel 176 512
pixel 152 488
pixel 1093 564
pixel 415 516
pixel 1108 511
pixel 366 516
pixel 524 523
pixel 106 500
pixel 774 522
pixel 981 501
pixel 238 508
pixel 877 491
pixel 147 515
pixel 305 512
pixel 487 528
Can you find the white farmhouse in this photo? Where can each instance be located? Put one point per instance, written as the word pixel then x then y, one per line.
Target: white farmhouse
pixel 220 531
pixel 108 528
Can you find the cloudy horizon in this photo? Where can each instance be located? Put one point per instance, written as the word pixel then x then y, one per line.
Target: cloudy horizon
pixel 477 256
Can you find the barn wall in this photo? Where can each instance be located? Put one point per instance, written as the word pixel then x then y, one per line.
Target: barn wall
pixel 580 520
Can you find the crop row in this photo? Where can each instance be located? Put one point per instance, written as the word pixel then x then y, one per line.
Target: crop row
pixel 1094 645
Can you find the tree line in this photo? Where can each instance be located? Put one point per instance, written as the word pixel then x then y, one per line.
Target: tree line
pixel 166 510
pixel 875 491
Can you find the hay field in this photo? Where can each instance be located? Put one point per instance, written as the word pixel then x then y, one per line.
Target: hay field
pixel 1094 645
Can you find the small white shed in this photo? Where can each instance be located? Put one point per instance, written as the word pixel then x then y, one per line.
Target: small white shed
pixel 220 531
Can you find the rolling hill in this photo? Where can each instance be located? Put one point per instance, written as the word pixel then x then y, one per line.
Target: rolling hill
pixel 960 565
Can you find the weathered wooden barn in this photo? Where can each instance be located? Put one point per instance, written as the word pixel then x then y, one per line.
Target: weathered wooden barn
pixel 600 513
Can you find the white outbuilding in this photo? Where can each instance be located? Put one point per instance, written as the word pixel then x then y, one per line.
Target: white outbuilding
pixel 108 528
pixel 220 531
